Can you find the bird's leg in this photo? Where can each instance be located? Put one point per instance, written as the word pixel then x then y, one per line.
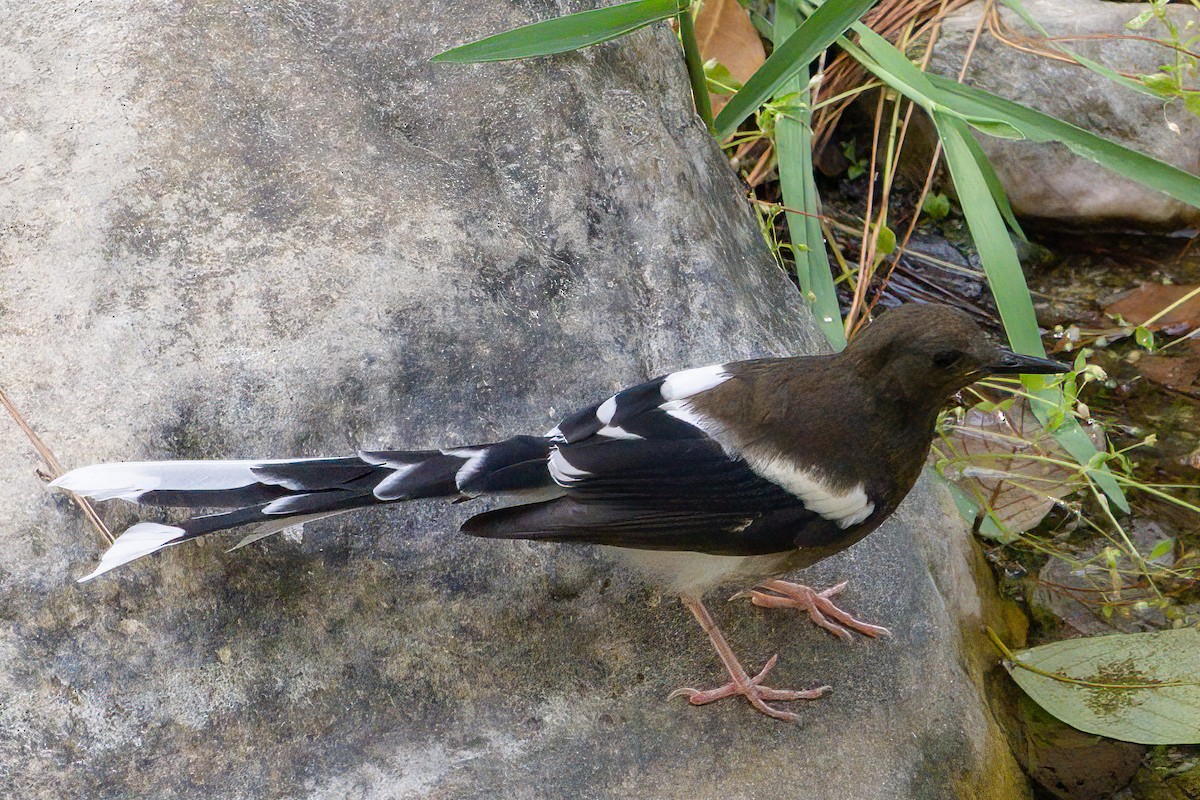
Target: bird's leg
pixel 740 680
pixel 821 610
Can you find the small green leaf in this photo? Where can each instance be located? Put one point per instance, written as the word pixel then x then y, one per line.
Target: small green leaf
pixel 719 79
pixel 970 512
pixel 1161 83
pixel 563 34
pixel 885 241
pixel 1191 101
pixel 995 127
pixel 857 166
pixel 1161 549
pixel 1139 22
pixel 1144 337
pixel 791 56
pixel 1137 687
pixel 936 206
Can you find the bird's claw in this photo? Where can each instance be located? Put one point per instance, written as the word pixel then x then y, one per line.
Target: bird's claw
pixel 754 692
pixel 820 609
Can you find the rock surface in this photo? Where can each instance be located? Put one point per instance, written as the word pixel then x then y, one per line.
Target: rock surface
pixel 275 229
pixel 1046 181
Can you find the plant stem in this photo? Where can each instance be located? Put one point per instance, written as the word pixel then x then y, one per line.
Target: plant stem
pixel 695 68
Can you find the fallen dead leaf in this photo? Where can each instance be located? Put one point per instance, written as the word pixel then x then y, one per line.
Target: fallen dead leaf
pixel 998 456
pixel 1179 371
pixel 725 33
pixel 1140 304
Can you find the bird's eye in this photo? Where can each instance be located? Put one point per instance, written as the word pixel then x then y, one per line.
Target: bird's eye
pixel 947 358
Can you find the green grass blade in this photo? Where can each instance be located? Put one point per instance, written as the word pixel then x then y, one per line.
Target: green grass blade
pixel 994 114
pixel 793 146
pixel 995 249
pixel 1035 125
pixel 1007 282
pixel 563 34
pixel 951 114
pixel 695 68
pixel 1094 66
pixel 881 57
pixel 808 41
pixel 995 187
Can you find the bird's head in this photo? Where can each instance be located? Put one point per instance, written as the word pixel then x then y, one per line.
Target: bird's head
pixel 926 353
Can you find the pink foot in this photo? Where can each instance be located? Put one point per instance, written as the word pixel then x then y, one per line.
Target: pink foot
pixel 821 610
pixel 755 694
pixel 740 681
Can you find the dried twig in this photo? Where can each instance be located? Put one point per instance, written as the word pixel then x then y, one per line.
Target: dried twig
pixel 53 467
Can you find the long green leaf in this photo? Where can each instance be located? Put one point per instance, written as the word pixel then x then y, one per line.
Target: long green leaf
pixel 1094 66
pixel 1007 282
pixel 1035 125
pixel 995 249
pixel 995 187
pixel 793 146
pixel 563 34
pixel 995 115
pixel 817 32
pixel 983 213
pixel 881 57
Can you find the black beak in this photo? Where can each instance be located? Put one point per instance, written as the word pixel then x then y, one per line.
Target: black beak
pixel 1008 363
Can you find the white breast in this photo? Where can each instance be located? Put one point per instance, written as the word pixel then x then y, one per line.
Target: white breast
pixel 684 572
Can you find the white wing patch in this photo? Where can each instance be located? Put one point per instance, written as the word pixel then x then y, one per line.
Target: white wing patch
pixel 561 470
pixel 682 410
pixel 607 410
pixel 140 540
pixel 617 432
pixel 689 382
pixel 844 508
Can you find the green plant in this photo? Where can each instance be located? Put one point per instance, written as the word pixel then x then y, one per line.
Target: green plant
pixel 857 166
pixel 1172 80
pixel 802 32
pixel 936 206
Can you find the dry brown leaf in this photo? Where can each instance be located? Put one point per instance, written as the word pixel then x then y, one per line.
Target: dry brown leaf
pixel 1140 304
pixel 724 32
pixel 1179 371
pixel 996 455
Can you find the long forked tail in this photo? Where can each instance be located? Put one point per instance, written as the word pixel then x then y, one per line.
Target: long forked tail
pixel 271 495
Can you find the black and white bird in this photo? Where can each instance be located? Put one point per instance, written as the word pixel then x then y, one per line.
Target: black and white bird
pixel 728 474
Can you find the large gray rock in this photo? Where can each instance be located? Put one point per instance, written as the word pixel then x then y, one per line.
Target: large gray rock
pixel 1046 181
pixel 251 230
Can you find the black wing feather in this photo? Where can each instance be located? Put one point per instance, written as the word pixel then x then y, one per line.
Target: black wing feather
pixel 661 495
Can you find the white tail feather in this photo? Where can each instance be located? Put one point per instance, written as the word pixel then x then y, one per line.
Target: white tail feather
pixel 140 540
pixel 130 480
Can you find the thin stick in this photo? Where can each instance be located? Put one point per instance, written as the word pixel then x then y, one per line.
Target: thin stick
pixel 866 250
pixel 53 467
pixel 937 150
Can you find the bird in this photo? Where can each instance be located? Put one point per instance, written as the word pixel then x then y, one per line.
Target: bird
pixel 728 474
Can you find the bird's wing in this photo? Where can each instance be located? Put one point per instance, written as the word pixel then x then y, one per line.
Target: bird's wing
pixel 657 409
pixel 685 494
pixel 647 469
